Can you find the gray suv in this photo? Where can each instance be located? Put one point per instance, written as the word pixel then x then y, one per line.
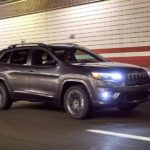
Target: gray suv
pixel 71 76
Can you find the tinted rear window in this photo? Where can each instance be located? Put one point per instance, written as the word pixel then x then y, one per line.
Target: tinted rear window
pixel 5 57
pixel 19 57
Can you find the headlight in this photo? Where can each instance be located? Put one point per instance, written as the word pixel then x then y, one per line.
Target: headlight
pixel 105 76
pixel 109 78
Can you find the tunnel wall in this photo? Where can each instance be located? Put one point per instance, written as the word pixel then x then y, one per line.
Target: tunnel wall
pixel 116 29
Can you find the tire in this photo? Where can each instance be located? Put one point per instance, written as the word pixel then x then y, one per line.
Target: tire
pixel 77 103
pixel 5 101
pixel 127 107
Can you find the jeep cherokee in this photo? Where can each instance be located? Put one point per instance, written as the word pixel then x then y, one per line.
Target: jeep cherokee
pixel 71 76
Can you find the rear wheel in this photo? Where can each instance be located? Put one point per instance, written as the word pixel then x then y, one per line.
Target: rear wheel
pixel 76 102
pixel 127 107
pixel 5 101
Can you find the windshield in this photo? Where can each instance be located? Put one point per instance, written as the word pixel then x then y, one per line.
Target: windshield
pixel 72 55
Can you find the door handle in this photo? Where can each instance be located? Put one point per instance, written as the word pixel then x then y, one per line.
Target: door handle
pixel 31 70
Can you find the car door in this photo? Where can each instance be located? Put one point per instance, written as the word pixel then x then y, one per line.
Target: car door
pixel 44 74
pixel 17 72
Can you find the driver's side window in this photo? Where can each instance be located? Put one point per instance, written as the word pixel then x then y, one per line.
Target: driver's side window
pixel 41 58
pixel 83 57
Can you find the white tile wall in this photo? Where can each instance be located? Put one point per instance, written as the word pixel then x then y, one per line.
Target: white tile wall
pixel 106 24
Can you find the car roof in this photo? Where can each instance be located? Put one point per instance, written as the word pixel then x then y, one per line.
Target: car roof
pixel 51 46
pixel 63 45
pixel 67 45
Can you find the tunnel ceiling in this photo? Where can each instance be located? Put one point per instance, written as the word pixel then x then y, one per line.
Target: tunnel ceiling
pixel 6 1
pixel 24 7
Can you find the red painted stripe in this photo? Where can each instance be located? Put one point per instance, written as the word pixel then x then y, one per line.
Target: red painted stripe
pixel 141 61
pixel 119 50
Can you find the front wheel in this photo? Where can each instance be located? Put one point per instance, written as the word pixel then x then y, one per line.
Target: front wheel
pixel 76 102
pixel 5 101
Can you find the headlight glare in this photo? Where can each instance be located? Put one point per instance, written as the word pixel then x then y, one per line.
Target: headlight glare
pixel 111 79
pixel 105 76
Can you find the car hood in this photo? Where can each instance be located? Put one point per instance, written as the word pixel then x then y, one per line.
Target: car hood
pixel 109 65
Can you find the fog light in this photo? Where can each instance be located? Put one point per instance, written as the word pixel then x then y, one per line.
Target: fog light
pixel 108 95
pixel 105 94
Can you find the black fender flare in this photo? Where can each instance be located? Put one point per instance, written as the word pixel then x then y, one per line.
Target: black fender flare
pixel 78 81
pixel 6 84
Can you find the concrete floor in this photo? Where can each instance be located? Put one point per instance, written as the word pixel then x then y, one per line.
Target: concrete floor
pixel 33 126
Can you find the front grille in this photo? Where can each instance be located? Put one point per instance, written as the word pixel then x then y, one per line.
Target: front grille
pixel 137 78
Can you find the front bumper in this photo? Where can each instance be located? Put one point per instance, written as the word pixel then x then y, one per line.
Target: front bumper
pixel 127 95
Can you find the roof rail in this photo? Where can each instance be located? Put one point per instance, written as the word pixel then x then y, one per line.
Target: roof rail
pixel 26 44
pixel 71 44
